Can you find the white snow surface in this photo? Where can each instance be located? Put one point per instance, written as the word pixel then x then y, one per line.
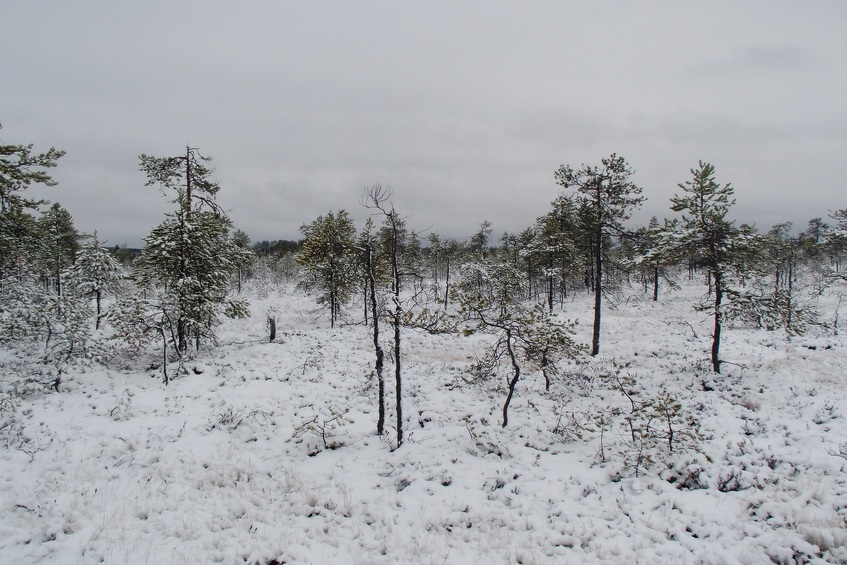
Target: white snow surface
pixel 210 469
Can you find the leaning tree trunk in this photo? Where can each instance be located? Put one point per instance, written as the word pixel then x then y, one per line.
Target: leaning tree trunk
pixel 516 374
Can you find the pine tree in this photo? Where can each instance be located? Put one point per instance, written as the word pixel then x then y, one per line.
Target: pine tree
pixel 837 243
pixel 21 244
pixel 712 241
pixel 529 251
pixel 558 234
pixel 20 237
pixel 609 197
pixel 434 256
pixel 60 245
pixel 242 241
pixel 373 268
pixel 95 273
pixel 19 168
pixel 654 253
pixel 451 255
pixel 478 244
pixel 527 336
pixel 190 254
pixel 329 259
pixel 392 236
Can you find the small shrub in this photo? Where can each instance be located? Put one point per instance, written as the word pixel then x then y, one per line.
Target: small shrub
pixel 687 474
pixel 652 428
pixel 327 429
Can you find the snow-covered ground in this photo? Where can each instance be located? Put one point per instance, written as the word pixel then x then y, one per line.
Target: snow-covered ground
pixel 223 466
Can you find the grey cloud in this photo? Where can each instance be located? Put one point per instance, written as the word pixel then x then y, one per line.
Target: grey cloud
pixel 466 113
pixel 759 59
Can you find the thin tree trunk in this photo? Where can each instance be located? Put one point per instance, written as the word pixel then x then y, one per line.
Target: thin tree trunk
pixel 564 281
pixel 550 284
pixel 516 374
pixel 380 354
pixel 332 297
pixel 182 323
pixel 598 294
pixel 365 302
pixel 398 381
pixel 396 318
pixel 790 303
pixel 447 282
pixel 58 289
pixel 655 283
pixel 165 355
pixel 99 315
pixel 716 340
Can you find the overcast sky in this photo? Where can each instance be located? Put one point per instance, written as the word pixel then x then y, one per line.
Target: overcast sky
pixel 464 108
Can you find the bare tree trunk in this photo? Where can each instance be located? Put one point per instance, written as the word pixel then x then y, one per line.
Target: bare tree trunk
pixel 790 305
pixel 332 298
pixel 516 374
pixel 99 296
pixel 165 355
pixel 598 293
pixel 447 282
pixel 396 318
pixel 380 354
pixel 376 197
pixel 398 381
pixel 365 302
pixel 655 283
pixel 550 284
pixel 716 339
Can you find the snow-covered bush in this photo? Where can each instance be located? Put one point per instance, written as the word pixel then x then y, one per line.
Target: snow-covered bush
pixel 94 274
pixel 328 429
pixel 687 473
pixel 10 426
pixel 54 329
pixel 651 427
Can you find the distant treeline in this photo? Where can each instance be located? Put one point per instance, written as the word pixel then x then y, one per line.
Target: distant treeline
pixel 277 247
pixel 124 254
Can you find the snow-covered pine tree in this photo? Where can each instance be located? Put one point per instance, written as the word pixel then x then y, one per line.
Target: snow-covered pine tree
pixel 242 240
pixel 190 255
pixel 837 243
pixel 19 168
pixel 329 260
pixel 95 273
pixel 555 247
pixel 60 245
pixel 727 253
pixel 610 197
pixel 527 335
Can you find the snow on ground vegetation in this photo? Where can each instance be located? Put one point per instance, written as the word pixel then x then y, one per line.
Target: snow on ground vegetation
pixel 266 453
